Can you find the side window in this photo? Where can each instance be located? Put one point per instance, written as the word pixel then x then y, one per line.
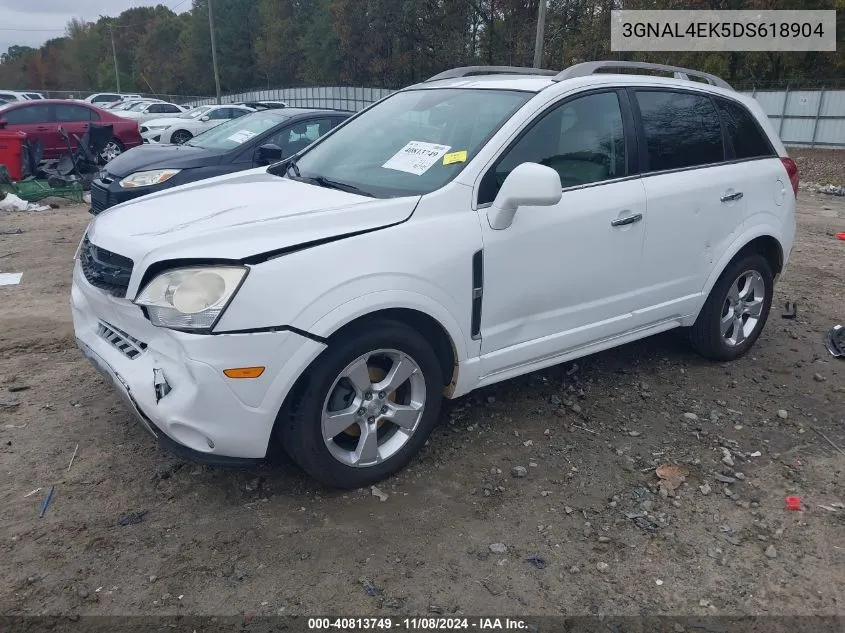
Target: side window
pixel 583 140
pixel 299 136
pixel 154 108
pixel 72 113
pixel 746 137
pixel 27 115
pixel 234 113
pixel 681 129
pixel 106 98
pixel 167 108
pixel 218 113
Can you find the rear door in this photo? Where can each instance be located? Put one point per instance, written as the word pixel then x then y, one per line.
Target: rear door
pixel 74 118
pixel 36 119
pixel 694 198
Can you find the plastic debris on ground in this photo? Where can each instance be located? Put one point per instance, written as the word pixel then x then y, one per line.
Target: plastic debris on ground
pixel 11 202
pixel 132 518
pixel 538 561
pixel 836 341
pixel 10 279
pixel 793 504
pixel 790 310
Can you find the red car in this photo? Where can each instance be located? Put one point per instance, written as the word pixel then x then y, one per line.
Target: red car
pixel 41 121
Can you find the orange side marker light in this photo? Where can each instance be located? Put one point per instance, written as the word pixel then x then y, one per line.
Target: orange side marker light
pixel 244 372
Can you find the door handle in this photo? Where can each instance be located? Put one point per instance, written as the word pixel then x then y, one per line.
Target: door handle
pixel 729 197
pixel 626 220
pixel 42 128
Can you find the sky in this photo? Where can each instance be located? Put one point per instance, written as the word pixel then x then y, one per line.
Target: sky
pixel 33 22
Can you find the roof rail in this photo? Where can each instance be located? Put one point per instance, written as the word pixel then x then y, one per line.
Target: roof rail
pixel 589 68
pixel 465 71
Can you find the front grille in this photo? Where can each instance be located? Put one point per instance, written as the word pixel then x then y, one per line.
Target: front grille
pixel 127 345
pixel 106 270
pixel 101 199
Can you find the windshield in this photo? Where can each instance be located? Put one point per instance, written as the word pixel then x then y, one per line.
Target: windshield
pixel 232 133
pixel 195 113
pixel 413 142
pixel 125 105
pixel 138 106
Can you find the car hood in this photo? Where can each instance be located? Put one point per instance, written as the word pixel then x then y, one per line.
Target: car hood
pixel 236 217
pixel 146 157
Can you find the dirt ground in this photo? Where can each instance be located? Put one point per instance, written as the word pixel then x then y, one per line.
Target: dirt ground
pixel 589 436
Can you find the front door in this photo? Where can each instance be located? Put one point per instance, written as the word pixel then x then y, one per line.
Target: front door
pixel 564 276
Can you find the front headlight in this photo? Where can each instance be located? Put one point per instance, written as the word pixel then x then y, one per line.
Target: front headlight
pixel 156 127
pixel 148 178
pixel 191 298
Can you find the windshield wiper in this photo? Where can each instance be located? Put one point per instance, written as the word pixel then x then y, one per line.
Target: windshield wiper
pixel 340 186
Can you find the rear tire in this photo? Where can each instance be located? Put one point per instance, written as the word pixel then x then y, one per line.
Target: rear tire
pixel 112 150
pixel 736 309
pixel 360 380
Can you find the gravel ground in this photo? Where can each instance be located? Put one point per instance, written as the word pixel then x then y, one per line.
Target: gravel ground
pixel 820 167
pixel 559 464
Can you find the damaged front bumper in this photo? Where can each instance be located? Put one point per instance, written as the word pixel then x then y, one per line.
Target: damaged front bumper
pixel 174 384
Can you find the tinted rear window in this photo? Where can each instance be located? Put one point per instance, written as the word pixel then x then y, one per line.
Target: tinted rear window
pixel 746 137
pixel 681 129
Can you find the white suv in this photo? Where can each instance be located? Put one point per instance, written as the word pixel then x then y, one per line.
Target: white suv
pixel 486 223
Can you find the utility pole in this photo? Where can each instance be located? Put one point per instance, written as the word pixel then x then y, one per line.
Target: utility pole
pixel 541 27
pixel 114 55
pixel 213 50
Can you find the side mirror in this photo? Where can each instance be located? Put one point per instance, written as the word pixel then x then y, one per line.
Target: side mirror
pixel 529 184
pixel 205 117
pixel 269 153
pixel 3 122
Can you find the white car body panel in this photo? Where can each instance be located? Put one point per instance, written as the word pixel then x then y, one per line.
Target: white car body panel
pixel 559 283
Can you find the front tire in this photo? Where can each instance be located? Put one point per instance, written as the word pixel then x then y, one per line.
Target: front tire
pixel 180 136
pixel 366 406
pixel 736 310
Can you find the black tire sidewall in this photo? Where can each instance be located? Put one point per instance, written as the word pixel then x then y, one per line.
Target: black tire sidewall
pixel 713 308
pixel 301 428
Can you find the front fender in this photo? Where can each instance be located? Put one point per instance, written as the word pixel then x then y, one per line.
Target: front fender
pixel 375 301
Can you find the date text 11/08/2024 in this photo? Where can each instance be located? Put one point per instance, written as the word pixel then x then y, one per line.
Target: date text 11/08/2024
pixel 416 624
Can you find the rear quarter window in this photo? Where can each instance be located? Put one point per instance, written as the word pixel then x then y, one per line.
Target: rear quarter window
pixel 681 129
pixel 746 138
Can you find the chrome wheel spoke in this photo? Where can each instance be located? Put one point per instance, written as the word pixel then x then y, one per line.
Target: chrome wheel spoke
pixel 402 369
pixel 367 450
pixel 733 293
pixel 725 323
pixel 404 416
pixel 754 308
pixel 359 375
pixel 739 331
pixel 336 422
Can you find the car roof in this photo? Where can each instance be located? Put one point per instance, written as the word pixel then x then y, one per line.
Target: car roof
pixel 533 81
pixel 54 101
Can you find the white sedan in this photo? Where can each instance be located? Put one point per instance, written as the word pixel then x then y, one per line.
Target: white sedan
pixel 147 110
pixel 184 127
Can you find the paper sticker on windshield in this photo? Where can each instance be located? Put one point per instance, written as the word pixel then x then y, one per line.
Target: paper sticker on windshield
pixel 241 136
pixel 455 157
pixel 416 157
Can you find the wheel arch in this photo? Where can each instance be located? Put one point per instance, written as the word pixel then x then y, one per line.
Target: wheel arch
pixel 763 241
